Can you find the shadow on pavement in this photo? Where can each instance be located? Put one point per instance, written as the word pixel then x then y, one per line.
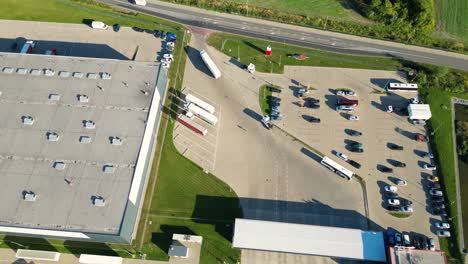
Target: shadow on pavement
pixel 311 154
pixel 195 58
pixel 252 114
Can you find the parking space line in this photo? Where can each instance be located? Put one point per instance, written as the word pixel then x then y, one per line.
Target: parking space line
pixel 194 143
pixel 198 136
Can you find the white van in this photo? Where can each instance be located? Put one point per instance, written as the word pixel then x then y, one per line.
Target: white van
pixel 99 25
pixel 347 108
pixel 140 2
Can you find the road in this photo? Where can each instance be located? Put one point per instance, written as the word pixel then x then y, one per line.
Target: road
pixel 296 35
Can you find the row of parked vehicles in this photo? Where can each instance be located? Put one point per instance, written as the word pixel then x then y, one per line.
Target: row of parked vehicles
pixel 394 202
pixel 397 239
pixel 346 105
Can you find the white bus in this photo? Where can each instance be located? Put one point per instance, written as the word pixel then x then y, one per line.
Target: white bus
pixel 402 87
pixel 189 98
pixel 337 168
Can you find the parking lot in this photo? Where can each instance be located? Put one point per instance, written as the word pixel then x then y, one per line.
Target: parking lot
pixel 377 126
pixel 79 40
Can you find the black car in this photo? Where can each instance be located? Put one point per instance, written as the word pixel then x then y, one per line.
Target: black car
pixel 163 35
pixel 399 164
pixel 353 132
pixel 390 195
pixel 274 89
pixel 438 206
pixel 157 33
pixel 354 164
pixel 415 241
pixel 437 199
pixel 433 185
pixel 312 106
pixel 313 119
pixel 312 100
pixel 116 27
pixel 425 245
pixel 405 202
pixel 273 99
pixel 386 169
pixel 439 212
pixel 357 149
pixel 392 208
pixel 275 104
pixel 395 146
pixel 137 29
pixel 355 144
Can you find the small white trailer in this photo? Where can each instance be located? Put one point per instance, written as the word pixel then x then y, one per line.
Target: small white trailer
pixel 190 98
pixel 196 110
pixel 210 64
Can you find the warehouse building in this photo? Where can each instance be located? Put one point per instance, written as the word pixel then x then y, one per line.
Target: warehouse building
pixel 77 142
pixel 309 240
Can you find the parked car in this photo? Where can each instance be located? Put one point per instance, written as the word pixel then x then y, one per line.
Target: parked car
pixel 386 169
pixel 163 35
pixel 356 144
pixel 390 237
pixel 311 105
pixel 442 225
pixel 350 93
pixel 157 33
pixel 116 27
pixel 354 164
pixel 312 100
pixel 392 208
pixel 303 91
pixel 341 155
pixel 433 185
pixel 390 195
pixel 137 29
pixel 406 240
pixel 428 155
pixel 436 192
pixel 433 178
pixel 395 146
pixel 313 119
pixel 421 138
pixel 276 117
pixel 398 239
pixel 418 122
pixel 437 199
pixel 354 133
pixel 339 92
pixel 393 202
pixel 429 166
pixel 401 182
pixel 414 100
pixel 99 25
pixel 439 212
pixel 353 117
pixel 405 202
pixel 389 109
pixel 438 206
pixel 424 243
pixel 400 164
pixel 273 99
pixel 390 188
pixel 406 209
pixel 357 149
pixel 443 233
pixel 274 89
pixel 346 108
pixel 431 243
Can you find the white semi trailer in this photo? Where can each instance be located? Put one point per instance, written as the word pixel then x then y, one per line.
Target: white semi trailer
pixel 190 98
pixel 198 111
pixel 210 64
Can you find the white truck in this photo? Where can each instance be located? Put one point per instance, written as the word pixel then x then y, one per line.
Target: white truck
pixel 198 111
pixel 190 98
pixel 210 64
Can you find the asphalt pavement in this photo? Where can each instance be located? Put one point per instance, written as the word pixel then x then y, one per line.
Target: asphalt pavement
pixel 296 35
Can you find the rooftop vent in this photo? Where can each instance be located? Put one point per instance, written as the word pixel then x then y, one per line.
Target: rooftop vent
pixel 49 72
pixel 64 74
pixel 83 98
pixel 92 75
pixel 52 136
pixel 59 165
pixel 27 120
pixel 36 72
pixel 21 71
pixel 89 124
pixel 54 97
pixel 105 76
pixel 98 201
pixel 116 141
pixel 78 74
pixel 108 168
pixel 8 70
pixel 85 139
pixel 29 196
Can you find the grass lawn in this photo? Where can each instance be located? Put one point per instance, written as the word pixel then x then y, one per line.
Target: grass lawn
pixel 442 145
pixel 452 17
pixel 263 98
pixel 248 50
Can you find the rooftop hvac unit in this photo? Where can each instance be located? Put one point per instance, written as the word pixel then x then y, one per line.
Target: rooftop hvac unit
pixel 78 74
pixel 29 196
pixel 83 98
pixel 49 72
pixel 8 70
pixel 89 124
pixel 36 72
pixel 54 97
pixel 92 75
pixel 116 141
pixel 59 165
pixel 85 139
pixel 105 76
pixel 52 136
pixel 99 201
pixel 27 120
pixel 22 71
pixel 108 168
pixel 64 74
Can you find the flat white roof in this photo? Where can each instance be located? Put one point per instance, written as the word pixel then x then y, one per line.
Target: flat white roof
pixel 309 240
pixel 419 111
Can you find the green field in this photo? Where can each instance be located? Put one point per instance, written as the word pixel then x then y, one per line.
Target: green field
pixel 323 8
pixel 248 50
pixel 452 18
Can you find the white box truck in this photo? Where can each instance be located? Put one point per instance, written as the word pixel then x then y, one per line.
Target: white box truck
pixel 196 110
pixel 190 98
pixel 140 2
pixel 210 64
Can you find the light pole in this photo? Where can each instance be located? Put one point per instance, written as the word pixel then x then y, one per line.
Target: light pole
pixel 247 6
